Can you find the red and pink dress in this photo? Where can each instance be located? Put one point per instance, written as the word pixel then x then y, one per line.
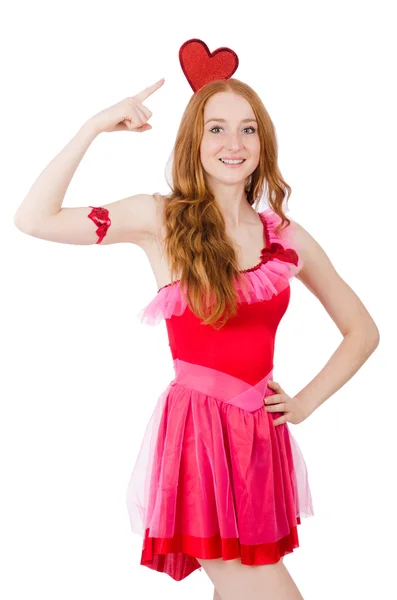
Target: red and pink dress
pixel 214 477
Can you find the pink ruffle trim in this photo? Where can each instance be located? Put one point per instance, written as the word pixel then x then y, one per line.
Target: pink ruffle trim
pixel 260 282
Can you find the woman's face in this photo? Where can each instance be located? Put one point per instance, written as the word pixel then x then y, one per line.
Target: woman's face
pixel 230 131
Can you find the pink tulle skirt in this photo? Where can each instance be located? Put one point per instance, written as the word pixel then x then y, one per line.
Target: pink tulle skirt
pixel 214 477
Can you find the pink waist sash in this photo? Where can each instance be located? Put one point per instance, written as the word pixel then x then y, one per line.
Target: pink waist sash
pixel 222 386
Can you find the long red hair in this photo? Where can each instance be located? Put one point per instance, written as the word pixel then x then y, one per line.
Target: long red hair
pixel 197 247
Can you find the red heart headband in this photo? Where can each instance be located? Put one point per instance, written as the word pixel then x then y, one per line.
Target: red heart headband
pixel 201 66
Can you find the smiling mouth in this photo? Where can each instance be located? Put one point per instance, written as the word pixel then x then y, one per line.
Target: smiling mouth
pixel 233 164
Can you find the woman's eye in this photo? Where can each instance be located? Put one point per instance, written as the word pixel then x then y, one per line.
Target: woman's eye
pixel 252 128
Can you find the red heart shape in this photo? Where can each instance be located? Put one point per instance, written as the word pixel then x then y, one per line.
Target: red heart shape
pixel 201 66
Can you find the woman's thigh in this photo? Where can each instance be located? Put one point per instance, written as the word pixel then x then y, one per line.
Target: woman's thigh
pixel 234 581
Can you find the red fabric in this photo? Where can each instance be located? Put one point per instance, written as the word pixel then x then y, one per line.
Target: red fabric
pixel 243 347
pixel 201 66
pixel 100 216
pixel 176 556
pixel 215 478
pixel 221 480
pixel 276 250
pixel 279 262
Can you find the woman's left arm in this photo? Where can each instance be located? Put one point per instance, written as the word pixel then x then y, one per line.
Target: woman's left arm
pixel 360 333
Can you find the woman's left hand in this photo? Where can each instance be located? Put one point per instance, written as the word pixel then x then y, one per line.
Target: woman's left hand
pixel 294 411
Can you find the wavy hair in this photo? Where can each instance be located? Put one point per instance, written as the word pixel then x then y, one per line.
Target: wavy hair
pixel 196 243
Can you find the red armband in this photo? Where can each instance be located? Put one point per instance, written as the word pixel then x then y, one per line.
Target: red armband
pixel 100 216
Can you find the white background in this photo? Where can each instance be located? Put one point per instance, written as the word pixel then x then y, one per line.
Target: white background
pixel 81 375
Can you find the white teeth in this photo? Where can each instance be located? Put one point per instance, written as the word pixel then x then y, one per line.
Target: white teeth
pixel 232 162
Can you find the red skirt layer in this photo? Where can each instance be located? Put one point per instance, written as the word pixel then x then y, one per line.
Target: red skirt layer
pixel 176 556
pixel 215 478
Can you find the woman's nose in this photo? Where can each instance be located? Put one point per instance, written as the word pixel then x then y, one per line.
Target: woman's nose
pixel 234 141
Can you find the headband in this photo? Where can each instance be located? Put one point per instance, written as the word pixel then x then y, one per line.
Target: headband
pixel 201 66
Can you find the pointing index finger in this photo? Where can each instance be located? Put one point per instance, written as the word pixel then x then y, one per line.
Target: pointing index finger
pixel 149 90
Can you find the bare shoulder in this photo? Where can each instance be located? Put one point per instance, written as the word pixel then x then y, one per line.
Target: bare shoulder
pixel 318 271
pixel 321 278
pixel 309 248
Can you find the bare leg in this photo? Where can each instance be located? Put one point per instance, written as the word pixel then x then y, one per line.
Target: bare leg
pixel 216 594
pixel 261 582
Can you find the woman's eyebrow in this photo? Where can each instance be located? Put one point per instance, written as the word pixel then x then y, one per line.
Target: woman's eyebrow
pixel 224 120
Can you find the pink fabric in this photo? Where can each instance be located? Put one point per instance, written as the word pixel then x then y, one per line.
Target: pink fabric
pixel 214 476
pixel 204 422
pixel 258 284
pixel 213 468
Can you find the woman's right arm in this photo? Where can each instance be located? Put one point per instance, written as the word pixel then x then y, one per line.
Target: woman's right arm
pixel 131 219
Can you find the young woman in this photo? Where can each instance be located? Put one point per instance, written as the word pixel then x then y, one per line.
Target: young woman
pixel 219 482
